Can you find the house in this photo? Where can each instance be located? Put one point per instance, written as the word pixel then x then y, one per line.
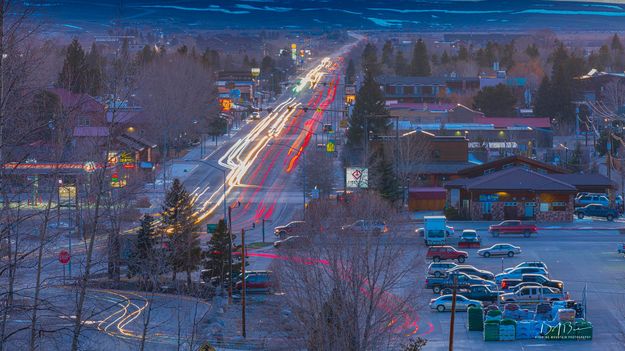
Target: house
pixel 518 187
pixel 402 89
pixel 237 87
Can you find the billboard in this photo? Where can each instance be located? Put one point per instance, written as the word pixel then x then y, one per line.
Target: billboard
pixel 226 104
pixel 357 177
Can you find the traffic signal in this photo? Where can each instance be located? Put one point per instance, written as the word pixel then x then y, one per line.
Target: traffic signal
pixel 115 178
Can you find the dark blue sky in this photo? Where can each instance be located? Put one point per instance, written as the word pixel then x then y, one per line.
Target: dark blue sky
pixel 305 14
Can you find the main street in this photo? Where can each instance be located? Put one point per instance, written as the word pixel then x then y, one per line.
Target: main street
pixel 263 164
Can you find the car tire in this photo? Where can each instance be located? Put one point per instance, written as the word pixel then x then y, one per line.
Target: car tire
pixel 495 233
pixel 440 308
pixel 436 259
pixel 510 254
pixel 438 274
pixel 486 254
pixel 610 218
pixel 527 233
pixel 436 289
pixel 580 216
pixel 461 259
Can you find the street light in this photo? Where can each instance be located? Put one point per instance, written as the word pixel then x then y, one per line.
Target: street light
pixel 224 184
pixel 304 172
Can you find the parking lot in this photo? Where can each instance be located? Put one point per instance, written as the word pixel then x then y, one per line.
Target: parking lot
pixel 578 257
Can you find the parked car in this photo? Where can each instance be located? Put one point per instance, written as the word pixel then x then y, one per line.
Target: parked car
pixel 528 264
pixel 473 271
pixel 588 198
pixel 439 269
pixel 367 226
pixel 58 225
pixel 255 281
pixel 470 235
pixel 517 273
pixel 443 303
pixel 444 253
pixel 540 279
pixel 512 227
pixel 255 115
pixel 291 242
pixel 532 294
pixel 621 248
pixel 462 281
pixel 289 229
pixel 500 250
pixel 597 210
pixel 476 292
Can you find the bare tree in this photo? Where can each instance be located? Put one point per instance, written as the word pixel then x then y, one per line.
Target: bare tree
pixel 614 95
pixel 319 171
pixel 349 292
pixel 413 153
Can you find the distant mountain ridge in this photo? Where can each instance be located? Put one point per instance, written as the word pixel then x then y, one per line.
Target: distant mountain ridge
pixel 76 15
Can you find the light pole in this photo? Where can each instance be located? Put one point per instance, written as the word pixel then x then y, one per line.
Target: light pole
pixel 304 174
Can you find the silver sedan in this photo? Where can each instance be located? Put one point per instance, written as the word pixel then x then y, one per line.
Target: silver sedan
pixel 500 250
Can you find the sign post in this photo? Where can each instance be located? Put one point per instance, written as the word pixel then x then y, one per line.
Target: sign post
pixel 64 258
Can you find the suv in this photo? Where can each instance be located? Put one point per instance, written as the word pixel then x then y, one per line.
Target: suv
pixel 540 279
pixel 289 229
pixel 443 253
pixel 470 270
pixel 439 269
pixel 596 210
pixel 532 294
pixel 365 225
pixel 539 264
pixel 588 199
pixel 517 273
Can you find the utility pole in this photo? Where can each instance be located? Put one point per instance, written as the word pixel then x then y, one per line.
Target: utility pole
pixel 453 315
pixel 230 277
pixel 243 282
pixel 263 229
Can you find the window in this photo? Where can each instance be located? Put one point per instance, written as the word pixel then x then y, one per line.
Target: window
pixel 509 204
pixel 408 90
pixel 506 166
pixel 426 91
pixel 489 171
pixel 487 207
pixel 544 207
pixel 84 121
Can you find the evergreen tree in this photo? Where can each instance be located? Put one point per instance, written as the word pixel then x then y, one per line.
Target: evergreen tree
pixel 532 51
pixel 146 55
pixel 183 50
pixel 507 57
pixel 616 45
pixel 253 63
pixel 434 59
pixel 216 258
pixel 495 101
pixel 350 72
pixel 368 112
pixel 93 72
pixel 420 64
pixel 179 223
pixel 445 58
pixel 143 258
pixel 576 157
pixel 246 61
pixel 387 53
pixel 370 59
pixel 401 65
pixel 543 106
pixel 463 54
pixel 72 76
pixel 603 58
pixel 267 65
pixel 383 175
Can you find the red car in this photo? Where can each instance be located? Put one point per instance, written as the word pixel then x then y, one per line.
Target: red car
pixel 512 227
pixel 443 253
pixel 256 281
